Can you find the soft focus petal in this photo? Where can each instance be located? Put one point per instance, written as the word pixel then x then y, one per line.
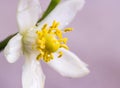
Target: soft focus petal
pixel 28 13
pixel 64 13
pixel 69 65
pixel 13 49
pixel 32 76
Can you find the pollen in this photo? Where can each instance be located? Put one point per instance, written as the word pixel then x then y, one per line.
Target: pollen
pixel 49 39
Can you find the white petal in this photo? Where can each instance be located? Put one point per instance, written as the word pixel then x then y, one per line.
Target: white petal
pixel 32 76
pixel 69 65
pixel 13 49
pixel 28 13
pixel 64 13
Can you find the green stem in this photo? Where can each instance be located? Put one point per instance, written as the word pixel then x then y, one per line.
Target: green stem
pixel 51 6
pixel 4 42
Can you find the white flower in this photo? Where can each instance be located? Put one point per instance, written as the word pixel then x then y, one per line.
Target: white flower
pixel 24 42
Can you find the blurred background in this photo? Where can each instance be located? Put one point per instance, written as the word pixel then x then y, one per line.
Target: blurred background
pixel 95 39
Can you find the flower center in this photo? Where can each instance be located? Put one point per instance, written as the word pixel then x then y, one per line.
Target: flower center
pixel 52 44
pixel 49 40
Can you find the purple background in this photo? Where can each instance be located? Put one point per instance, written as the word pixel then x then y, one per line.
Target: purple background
pixel 95 40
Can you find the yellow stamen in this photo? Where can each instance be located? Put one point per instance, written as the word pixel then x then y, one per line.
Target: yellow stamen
pixel 64 46
pixel 49 40
pixel 60 54
pixel 39 56
pixel 68 29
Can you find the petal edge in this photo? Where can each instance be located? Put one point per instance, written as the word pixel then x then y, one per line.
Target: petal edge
pixel 69 65
pixel 28 13
pixel 64 13
pixel 13 49
pixel 32 75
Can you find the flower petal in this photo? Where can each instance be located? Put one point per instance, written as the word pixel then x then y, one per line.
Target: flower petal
pixel 13 49
pixel 69 65
pixel 28 13
pixel 64 13
pixel 32 76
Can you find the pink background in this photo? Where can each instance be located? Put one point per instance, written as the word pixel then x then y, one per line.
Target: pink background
pixel 95 40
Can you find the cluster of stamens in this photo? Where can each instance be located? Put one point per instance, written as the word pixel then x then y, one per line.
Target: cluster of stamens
pixel 49 40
